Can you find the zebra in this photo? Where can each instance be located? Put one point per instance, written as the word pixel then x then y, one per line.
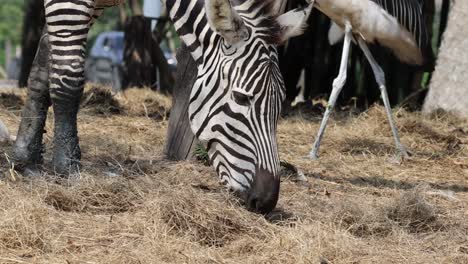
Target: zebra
pixel 234 104
pixel 396 24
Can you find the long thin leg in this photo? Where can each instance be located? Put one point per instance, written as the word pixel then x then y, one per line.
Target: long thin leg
pixel 380 78
pixel 338 84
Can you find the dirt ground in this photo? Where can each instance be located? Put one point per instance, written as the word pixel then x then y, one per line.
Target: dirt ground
pixel 130 205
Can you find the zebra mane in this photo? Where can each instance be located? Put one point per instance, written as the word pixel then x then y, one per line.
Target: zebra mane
pixel 271 30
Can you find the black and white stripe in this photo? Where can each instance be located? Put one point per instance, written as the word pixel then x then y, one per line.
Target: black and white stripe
pixel 410 15
pixel 236 100
pixel 68 23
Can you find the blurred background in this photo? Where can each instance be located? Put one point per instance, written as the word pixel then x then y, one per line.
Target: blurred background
pixel 135 44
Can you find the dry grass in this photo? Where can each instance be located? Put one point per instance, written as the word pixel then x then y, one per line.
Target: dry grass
pixel 130 205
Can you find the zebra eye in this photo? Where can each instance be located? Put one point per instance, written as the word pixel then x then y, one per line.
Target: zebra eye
pixel 241 99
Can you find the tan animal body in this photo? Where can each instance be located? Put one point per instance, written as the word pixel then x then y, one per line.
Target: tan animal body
pixel 373 22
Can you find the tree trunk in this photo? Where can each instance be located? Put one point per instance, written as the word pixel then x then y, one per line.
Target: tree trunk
pixel 136 7
pixel 180 141
pixel 449 89
pixel 123 16
pixel 33 24
pixel 139 69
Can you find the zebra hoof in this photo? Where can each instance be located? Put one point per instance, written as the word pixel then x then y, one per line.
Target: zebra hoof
pixel 66 166
pixel 66 162
pixel 26 161
pixel 31 171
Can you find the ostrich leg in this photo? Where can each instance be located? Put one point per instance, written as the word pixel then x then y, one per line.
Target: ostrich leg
pixel 380 78
pixel 338 84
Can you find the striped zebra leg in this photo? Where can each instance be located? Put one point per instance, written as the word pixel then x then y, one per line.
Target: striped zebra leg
pixel 67 25
pixel 28 149
pixel 27 152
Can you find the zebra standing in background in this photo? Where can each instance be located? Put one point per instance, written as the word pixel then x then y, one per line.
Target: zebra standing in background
pixel 234 105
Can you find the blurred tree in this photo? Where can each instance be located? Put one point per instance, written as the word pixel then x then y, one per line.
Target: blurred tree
pixel 135 6
pixel 11 14
pixel 33 24
pixel 139 69
pixel 143 56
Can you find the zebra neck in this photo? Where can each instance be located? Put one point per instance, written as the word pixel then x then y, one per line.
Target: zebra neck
pixel 191 24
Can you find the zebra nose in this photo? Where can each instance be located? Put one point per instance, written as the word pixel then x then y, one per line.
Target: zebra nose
pixel 263 194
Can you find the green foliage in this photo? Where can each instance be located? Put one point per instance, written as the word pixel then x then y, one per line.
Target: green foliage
pixel 11 20
pixel 201 154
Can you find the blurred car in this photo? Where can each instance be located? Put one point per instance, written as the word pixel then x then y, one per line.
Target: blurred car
pixel 105 62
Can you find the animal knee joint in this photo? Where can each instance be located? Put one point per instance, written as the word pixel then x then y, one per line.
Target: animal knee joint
pixel 339 82
pixel 380 76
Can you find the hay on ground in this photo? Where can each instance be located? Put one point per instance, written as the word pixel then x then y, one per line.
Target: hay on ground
pixel 130 205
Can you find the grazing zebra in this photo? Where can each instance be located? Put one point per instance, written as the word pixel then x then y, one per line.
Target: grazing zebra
pixel 234 104
pixel 396 24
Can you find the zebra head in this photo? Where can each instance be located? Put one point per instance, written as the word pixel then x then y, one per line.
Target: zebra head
pixel 236 100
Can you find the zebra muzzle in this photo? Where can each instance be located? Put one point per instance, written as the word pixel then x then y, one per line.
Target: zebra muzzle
pixel 264 192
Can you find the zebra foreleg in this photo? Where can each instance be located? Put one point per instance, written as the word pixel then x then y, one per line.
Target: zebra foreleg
pixel 67 153
pixel 66 88
pixel 68 25
pixel 28 148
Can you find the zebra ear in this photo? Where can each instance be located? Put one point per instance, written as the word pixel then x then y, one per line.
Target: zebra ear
pixel 225 21
pixel 278 6
pixel 293 23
